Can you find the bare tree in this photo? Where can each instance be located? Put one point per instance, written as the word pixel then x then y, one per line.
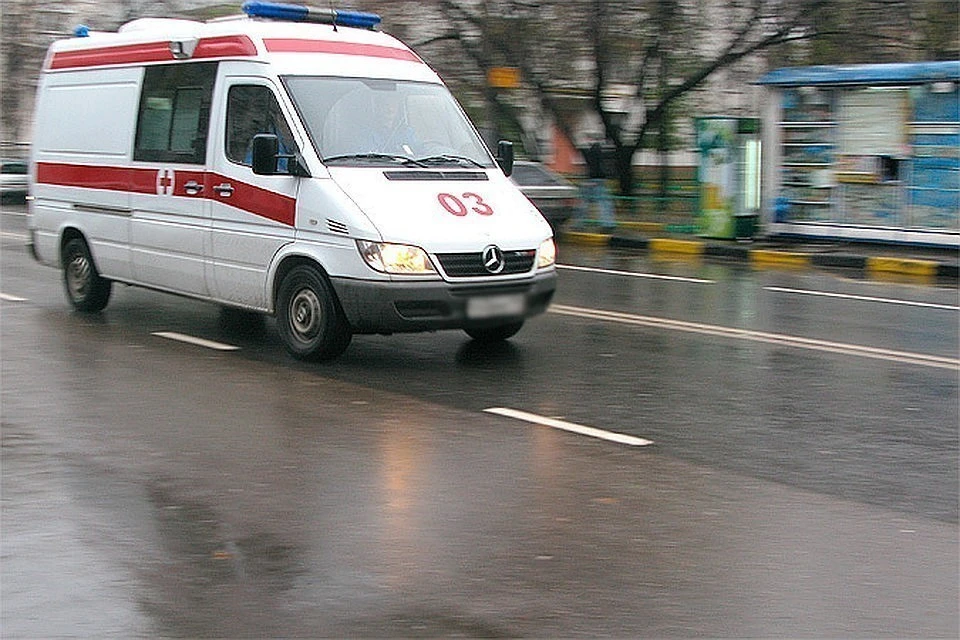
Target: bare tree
pixel 633 60
pixel 864 31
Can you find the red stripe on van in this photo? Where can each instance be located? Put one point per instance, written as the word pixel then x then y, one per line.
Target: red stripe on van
pixel 221 47
pixel 225 47
pixel 246 197
pixel 296 45
pixel 95 177
pixel 252 199
pixel 126 54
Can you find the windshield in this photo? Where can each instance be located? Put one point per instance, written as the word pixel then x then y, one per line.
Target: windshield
pixel 362 121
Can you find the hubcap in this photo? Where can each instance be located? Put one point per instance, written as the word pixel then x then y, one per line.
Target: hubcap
pixel 78 276
pixel 305 314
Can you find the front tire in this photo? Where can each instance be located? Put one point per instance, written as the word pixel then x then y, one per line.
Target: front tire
pixel 309 319
pixel 495 334
pixel 86 290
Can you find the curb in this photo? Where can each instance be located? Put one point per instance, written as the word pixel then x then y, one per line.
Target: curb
pixel 787 259
pixel 877 266
pixel 681 247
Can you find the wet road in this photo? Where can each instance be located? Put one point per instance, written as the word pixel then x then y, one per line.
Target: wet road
pixel 802 481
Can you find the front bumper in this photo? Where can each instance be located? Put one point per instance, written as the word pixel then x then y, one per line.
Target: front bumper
pixel 398 307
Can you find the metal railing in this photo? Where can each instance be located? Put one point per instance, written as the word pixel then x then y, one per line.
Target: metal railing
pixel 674 212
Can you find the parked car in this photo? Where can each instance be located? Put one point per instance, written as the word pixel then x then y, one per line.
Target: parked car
pixel 13 179
pixel 556 197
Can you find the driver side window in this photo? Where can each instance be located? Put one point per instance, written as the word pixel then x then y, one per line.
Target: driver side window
pixel 253 109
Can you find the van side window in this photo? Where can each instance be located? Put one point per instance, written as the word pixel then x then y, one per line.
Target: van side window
pixel 175 113
pixel 253 109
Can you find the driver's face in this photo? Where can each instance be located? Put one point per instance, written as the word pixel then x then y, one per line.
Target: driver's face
pixel 391 107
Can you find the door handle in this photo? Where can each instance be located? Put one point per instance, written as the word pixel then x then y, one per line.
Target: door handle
pixel 224 190
pixel 192 188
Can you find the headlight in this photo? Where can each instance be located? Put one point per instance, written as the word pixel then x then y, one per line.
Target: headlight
pixel 395 258
pixel 547 254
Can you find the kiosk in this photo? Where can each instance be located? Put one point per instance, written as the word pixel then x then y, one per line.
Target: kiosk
pixel 864 152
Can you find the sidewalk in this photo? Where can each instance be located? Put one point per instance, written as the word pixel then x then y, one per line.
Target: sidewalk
pixel 869 258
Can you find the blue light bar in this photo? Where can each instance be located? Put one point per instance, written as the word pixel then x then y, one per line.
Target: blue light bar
pixel 300 13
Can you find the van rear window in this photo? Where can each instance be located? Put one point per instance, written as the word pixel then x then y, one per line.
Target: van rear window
pixel 174 117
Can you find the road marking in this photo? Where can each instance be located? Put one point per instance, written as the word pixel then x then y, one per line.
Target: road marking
pixel 848 296
pixel 200 342
pixel 10 298
pixel 634 274
pixel 760 336
pixel 592 432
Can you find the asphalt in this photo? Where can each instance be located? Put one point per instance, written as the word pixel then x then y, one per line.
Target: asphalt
pixel 869 259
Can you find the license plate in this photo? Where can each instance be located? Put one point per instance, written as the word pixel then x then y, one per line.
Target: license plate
pixel 512 304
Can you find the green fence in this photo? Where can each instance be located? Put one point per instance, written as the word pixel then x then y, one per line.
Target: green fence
pixel 674 212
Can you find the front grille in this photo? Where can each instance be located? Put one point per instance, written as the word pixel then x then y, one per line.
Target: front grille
pixel 470 265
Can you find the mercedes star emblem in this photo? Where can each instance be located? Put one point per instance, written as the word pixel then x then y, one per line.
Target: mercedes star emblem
pixel 493 259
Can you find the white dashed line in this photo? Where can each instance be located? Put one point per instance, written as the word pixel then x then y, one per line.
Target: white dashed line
pixel 10 298
pixel 890 355
pixel 200 342
pixel 848 296
pixel 592 432
pixel 634 274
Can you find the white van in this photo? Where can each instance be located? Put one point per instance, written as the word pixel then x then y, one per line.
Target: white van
pixel 322 173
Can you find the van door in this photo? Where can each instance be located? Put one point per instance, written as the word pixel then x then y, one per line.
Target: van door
pixel 171 216
pixel 253 216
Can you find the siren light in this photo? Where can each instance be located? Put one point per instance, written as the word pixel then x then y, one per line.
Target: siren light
pixel 301 13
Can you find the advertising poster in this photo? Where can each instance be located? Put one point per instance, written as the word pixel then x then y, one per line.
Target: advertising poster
pixel 717 140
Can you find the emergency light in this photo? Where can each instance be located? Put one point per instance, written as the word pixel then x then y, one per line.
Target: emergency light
pixel 300 13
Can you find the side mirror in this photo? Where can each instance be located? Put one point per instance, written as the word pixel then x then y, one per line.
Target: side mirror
pixel 266 146
pixel 505 156
pixel 268 161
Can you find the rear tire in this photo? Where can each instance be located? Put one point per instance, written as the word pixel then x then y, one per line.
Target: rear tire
pixel 309 319
pixel 86 290
pixel 495 334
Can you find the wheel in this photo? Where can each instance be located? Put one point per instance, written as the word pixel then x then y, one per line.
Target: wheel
pixel 86 289
pixel 309 319
pixel 495 334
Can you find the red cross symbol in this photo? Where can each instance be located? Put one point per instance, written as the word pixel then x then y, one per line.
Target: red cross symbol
pixel 165 182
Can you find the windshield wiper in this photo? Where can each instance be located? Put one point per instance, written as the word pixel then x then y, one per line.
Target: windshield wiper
pixel 447 158
pixel 389 157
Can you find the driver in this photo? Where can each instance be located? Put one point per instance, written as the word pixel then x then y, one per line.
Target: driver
pixel 393 133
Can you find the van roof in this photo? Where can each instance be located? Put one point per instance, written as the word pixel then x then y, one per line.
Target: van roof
pixel 294 47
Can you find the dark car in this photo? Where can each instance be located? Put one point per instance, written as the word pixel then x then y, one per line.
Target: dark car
pixel 555 196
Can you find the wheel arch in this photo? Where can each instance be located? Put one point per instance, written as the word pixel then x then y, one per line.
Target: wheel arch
pixel 286 264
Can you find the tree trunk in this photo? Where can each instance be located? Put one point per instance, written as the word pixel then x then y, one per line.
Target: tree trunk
pixel 624 158
pixel 663 155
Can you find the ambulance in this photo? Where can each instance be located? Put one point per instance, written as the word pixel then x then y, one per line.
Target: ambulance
pixel 289 161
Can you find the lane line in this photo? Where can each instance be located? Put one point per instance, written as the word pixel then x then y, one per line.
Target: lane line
pixel 200 342
pixel 10 298
pixel 850 296
pixel 760 336
pixel 634 274
pixel 592 432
